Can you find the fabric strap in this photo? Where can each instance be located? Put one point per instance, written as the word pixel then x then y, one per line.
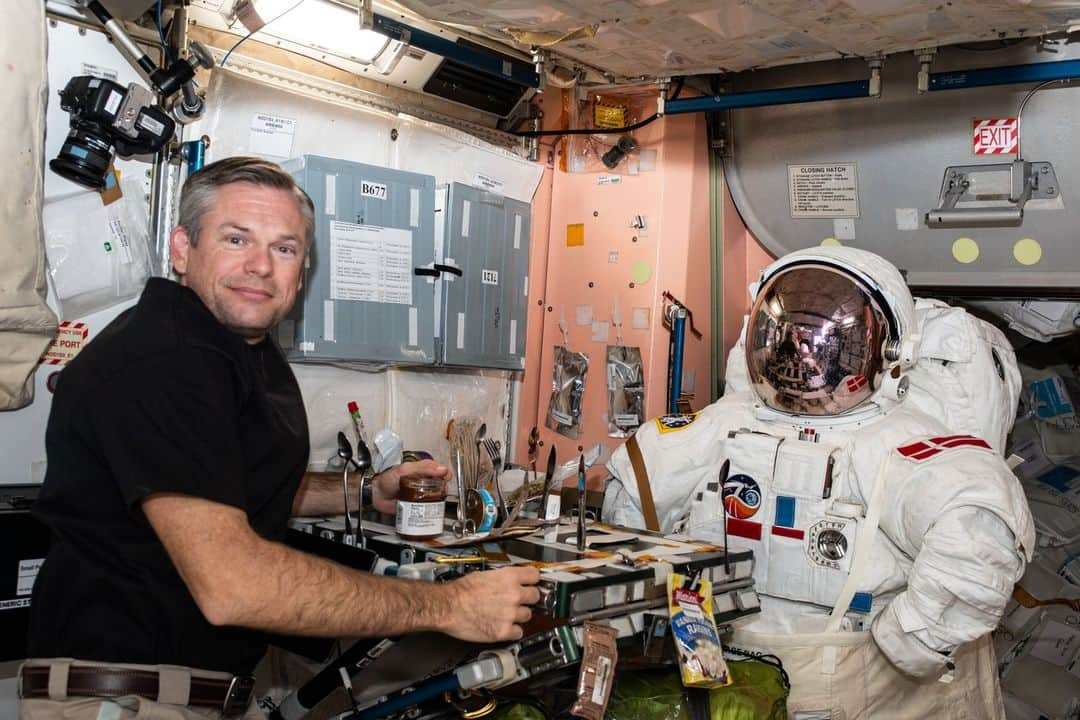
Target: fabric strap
pixel 648 508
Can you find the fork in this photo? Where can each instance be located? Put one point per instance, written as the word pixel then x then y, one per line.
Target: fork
pixel 495 453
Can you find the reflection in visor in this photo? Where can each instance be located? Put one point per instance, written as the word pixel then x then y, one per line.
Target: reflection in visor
pixel 814 342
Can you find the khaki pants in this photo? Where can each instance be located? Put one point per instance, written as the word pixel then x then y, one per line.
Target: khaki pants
pixel 129 707
pixel 843 676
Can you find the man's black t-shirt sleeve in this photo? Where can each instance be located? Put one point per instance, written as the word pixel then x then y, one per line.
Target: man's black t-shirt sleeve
pixel 172 428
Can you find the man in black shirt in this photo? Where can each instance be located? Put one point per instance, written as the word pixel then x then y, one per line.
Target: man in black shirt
pixel 177 445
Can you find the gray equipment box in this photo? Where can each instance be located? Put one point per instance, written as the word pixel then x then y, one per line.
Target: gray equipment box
pixel 361 299
pixel 483 313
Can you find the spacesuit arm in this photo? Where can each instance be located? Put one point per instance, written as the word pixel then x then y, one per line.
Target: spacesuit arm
pixel 679 459
pixel 962 517
pixel 957 590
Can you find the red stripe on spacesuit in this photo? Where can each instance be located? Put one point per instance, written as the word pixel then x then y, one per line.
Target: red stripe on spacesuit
pixel 947 438
pixel 744 528
pixel 924 450
pixel 970 441
pixel 793 533
pixel 909 450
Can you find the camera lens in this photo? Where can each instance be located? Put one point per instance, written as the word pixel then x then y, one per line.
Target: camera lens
pixel 85 156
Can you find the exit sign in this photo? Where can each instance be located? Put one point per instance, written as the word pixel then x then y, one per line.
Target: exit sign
pixel 995 136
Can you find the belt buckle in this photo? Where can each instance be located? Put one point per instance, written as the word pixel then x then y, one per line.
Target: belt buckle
pixel 238 695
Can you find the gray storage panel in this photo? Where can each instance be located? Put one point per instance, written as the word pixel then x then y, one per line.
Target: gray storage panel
pixel 355 307
pixel 483 317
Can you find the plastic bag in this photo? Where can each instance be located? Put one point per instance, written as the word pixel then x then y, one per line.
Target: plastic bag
pixel 626 390
pixel 99 255
pixel 567 389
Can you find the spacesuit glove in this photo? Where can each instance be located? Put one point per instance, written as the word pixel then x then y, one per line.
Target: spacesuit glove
pixel 893 632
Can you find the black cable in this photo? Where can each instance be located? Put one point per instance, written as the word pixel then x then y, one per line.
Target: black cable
pixel 588 131
pixel 277 17
pixel 603 131
pixel 766 658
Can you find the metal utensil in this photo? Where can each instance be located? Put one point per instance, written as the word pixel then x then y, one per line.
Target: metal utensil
pixel 724 470
pixel 345 452
pixel 551 490
pixel 494 452
pixel 462 526
pixel 581 504
pixel 481 433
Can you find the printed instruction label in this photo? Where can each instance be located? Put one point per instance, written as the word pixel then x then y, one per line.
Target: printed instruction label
pixel 489 277
pixel 823 191
pixel 100 72
pixel 373 190
pixel 608 179
pixel 419 518
pixel 486 182
pixel 271 135
pixel 28 572
pixel 370 263
pixel 123 243
pixel 69 340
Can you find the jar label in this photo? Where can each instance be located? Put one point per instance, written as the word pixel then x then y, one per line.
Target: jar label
pixel 420 518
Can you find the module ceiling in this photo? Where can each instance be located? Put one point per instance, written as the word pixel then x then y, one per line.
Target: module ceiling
pixel 634 38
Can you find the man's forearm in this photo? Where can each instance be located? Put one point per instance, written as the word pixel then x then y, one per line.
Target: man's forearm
pixel 286 591
pixel 322 493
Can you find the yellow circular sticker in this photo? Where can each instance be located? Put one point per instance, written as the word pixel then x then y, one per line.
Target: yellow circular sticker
pixel 641 272
pixel 831 242
pixel 965 250
pixel 1027 251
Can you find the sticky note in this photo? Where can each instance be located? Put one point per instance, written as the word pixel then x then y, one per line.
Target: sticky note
pixel 575 235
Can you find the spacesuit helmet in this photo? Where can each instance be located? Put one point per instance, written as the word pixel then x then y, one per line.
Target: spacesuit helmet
pixel 829 329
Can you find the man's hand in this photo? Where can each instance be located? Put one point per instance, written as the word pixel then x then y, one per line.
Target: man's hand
pixel 387 484
pixel 491 606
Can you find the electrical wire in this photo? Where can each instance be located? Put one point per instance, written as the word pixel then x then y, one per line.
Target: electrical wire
pixel 278 17
pixel 602 131
pixel 161 32
pixel 1023 103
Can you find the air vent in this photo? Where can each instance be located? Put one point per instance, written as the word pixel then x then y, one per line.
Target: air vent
pixel 462 84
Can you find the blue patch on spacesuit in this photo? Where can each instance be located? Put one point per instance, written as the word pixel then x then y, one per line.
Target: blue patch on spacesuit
pixel 1060 478
pixel 861 602
pixel 785 511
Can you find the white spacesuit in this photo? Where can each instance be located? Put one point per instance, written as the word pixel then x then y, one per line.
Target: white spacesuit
pixel 887 536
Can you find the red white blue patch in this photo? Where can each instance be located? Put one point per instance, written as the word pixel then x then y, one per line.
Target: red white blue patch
pixel 742 496
pixel 926 449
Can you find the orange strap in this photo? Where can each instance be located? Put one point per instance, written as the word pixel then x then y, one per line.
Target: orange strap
pixel 1028 600
pixel 648 509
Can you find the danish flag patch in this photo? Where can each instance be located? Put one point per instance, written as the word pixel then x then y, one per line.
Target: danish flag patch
pixel 855 383
pixel 926 449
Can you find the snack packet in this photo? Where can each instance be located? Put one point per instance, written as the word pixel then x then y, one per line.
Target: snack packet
pixel 697 642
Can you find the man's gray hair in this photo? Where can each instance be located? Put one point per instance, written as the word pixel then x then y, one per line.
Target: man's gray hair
pixel 200 191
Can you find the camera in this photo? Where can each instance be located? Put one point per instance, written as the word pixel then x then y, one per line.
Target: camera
pixel 106 119
pixel 109 119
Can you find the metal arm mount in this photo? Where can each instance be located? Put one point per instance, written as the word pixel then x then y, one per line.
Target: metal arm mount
pixel 1028 181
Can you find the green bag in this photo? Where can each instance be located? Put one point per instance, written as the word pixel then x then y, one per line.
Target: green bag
pixel 757 692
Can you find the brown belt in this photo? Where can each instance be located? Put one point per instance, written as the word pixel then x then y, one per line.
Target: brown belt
pixel 229 695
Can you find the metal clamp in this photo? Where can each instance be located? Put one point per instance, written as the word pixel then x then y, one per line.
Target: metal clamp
pixel 1027 181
